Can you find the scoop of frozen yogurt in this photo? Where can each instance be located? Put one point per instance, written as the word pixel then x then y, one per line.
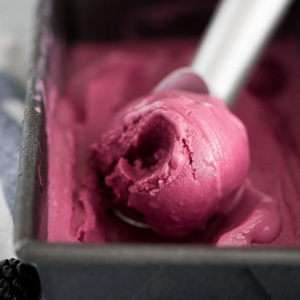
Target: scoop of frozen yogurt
pixel 174 157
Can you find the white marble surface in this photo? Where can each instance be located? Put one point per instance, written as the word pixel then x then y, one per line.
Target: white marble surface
pixel 6 229
pixel 17 23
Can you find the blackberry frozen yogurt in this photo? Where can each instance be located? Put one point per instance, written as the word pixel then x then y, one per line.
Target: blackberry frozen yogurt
pixel 258 207
pixel 178 158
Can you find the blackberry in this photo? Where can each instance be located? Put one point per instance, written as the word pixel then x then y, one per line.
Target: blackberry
pixel 18 281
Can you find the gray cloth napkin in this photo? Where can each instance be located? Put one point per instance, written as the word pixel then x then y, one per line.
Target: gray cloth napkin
pixel 11 115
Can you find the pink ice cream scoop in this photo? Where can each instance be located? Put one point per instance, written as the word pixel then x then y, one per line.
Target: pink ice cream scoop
pixel 174 157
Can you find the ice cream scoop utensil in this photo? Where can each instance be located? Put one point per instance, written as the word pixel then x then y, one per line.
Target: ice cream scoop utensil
pixel 232 44
pixel 236 36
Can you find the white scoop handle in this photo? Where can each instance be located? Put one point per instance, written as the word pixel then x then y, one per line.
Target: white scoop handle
pixel 238 32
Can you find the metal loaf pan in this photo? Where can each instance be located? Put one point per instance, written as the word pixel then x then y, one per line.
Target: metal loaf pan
pixel 121 272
